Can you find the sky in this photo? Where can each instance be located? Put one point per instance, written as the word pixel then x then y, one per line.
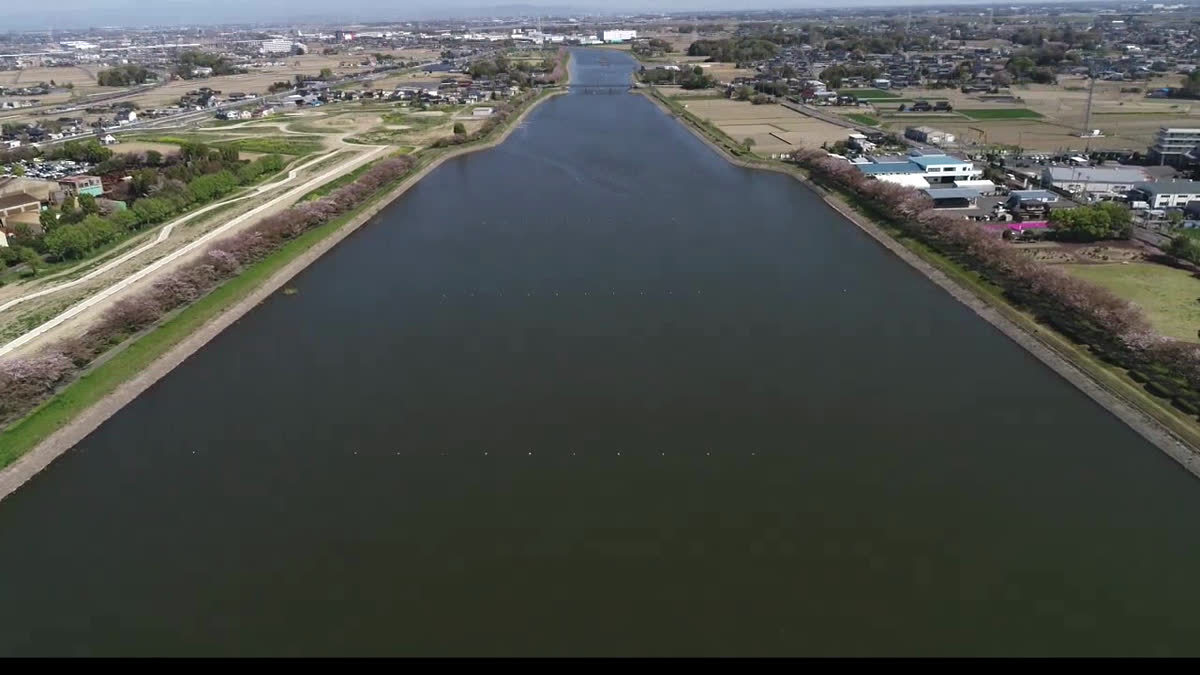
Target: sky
pixel 24 15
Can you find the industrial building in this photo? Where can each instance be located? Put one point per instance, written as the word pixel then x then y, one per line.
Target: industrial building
pixel 1167 193
pixel 1095 181
pixel 929 135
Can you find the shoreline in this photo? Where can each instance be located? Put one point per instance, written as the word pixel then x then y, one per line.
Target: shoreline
pixel 69 435
pixel 1142 422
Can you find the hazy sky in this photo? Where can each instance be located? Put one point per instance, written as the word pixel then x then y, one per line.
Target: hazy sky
pixel 23 14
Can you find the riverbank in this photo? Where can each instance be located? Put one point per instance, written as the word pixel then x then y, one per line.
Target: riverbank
pixel 67 418
pixel 1154 420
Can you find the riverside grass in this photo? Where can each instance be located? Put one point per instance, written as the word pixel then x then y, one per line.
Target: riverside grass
pixel 140 351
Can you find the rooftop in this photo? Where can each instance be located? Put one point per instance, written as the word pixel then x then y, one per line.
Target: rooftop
pixel 1097 174
pixel 1171 187
pixel 17 199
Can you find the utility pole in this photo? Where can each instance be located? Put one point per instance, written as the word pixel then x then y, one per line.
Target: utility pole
pixel 1087 115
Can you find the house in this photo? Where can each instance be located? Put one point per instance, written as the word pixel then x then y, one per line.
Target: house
pixel 1095 181
pixel 1168 193
pixel 108 139
pixel 81 185
pixel 126 117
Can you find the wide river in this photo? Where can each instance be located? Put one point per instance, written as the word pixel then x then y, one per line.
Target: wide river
pixel 598 392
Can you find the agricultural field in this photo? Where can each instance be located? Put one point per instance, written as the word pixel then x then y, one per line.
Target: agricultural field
pixel 1001 114
pixel 1170 297
pixel 868 93
pixel 773 128
pixel 863 119
pixel 1127 119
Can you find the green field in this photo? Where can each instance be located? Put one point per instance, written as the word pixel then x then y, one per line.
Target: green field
pixel 863 119
pixel 867 93
pixel 294 145
pixel 1169 297
pixel 1002 114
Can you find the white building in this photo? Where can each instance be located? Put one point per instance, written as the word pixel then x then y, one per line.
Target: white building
pixel 1095 181
pixel 612 36
pixel 275 46
pixel 929 135
pixel 1171 144
pixel 934 167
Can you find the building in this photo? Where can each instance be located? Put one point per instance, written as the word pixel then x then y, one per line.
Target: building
pixel 81 185
pixel 934 167
pixel 1096 181
pixel 275 46
pixel 1172 144
pixel 952 197
pixel 16 203
pixel 1167 193
pixel 929 135
pixel 615 36
pixel 1030 199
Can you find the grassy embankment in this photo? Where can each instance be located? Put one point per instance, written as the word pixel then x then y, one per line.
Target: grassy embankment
pixel 1113 379
pixel 1167 295
pixel 138 352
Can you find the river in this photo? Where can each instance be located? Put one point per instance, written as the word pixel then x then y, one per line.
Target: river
pixel 598 392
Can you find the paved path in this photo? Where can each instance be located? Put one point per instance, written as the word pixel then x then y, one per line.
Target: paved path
pixel 92 300
pixel 162 236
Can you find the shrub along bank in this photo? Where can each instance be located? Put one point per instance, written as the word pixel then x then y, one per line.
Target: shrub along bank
pixel 1112 329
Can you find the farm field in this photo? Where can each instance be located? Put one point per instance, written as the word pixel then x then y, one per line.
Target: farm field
pixel 772 128
pixel 1001 113
pixel 1169 296
pixel 868 93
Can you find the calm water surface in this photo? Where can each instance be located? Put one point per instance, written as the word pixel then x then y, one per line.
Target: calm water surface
pixel 598 392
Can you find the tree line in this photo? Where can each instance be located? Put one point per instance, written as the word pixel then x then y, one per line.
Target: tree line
pixel 1114 330
pixel 125 76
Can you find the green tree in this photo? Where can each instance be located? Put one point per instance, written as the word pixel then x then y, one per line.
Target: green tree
pixel 18 170
pixel 326 74
pixel 459 129
pixel 87 204
pixel 30 258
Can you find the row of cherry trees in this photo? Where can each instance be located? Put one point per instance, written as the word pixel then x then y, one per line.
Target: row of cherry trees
pixel 1112 328
pixel 24 382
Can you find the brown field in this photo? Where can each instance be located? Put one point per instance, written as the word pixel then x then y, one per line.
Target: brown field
pixel 1128 120
pixel 77 75
pixel 773 128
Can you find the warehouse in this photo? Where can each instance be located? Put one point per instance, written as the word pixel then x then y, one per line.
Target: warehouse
pixel 1095 181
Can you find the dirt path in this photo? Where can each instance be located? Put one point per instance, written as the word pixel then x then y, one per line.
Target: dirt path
pixel 88 307
pixel 163 233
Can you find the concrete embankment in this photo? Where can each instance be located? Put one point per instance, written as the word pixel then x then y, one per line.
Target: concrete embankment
pixel 66 437
pixel 1037 342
